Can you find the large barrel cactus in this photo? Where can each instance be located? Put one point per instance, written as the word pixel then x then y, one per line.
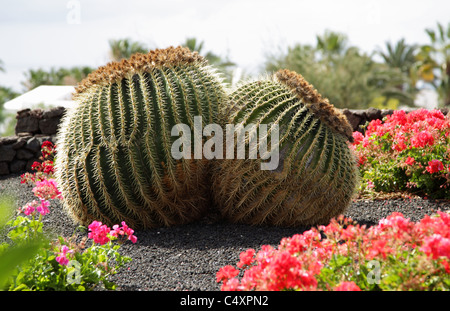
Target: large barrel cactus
pixel 114 160
pixel 316 175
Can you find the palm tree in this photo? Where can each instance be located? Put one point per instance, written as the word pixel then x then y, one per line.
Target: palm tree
pixel 401 57
pixel 124 48
pixel 332 43
pixel 193 45
pixel 224 65
pixel 348 77
pixel 433 62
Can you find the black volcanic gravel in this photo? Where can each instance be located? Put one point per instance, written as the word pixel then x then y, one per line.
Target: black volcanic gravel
pixel 187 257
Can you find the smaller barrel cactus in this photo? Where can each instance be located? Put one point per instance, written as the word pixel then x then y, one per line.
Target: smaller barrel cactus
pixel 115 160
pixel 316 174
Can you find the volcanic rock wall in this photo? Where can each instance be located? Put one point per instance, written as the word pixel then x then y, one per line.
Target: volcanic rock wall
pixel 33 127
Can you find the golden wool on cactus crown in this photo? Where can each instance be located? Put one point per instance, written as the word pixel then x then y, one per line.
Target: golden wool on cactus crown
pixel 116 71
pixel 316 103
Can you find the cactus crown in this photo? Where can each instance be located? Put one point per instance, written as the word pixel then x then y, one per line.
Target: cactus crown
pixel 318 105
pixel 116 71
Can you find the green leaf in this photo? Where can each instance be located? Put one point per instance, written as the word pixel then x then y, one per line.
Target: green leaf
pixel 431 34
pixel 14 256
pixel 441 32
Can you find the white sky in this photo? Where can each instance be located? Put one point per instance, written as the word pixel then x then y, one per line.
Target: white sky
pixel 54 33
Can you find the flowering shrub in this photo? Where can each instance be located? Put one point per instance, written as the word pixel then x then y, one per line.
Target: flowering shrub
pixel 45 168
pixel 406 152
pixel 396 254
pixel 65 263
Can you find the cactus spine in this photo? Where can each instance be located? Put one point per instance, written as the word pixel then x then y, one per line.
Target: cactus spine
pixel 114 158
pixel 317 172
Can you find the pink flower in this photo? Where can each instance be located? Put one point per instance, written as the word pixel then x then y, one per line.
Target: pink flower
pixel 29 208
pixel 34 206
pixel 99 232
pixel 47 189
pixel 365 142
pixel 62 256
pixel 43 208
pixel 434 166
pixel 124 230
pixel 347 286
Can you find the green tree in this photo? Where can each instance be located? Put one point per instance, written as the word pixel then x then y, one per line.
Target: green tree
pixel 401 55
pixel 60 76
pixel 6 94
pixel 348 77
pixel 401 58
pixel 124 48
pixel 223 64
pixel 332 43
pixel 433 62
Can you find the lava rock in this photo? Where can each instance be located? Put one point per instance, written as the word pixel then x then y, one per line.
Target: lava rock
pixel 7 153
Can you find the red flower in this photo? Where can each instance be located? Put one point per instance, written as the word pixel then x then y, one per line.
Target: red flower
pixel 230 285
pixel 422 139
pixel 36 166
pixel 300 242
pixel 246 258
pixel 436 246
pixel 410 161
pixel 379 247
pixel 374 127
pixel 285 272
pixel 399 142
pixel 398 117
pixel 225 273
pixel 362 160
pixel 347 286
pixel 358 137
pixel 434 166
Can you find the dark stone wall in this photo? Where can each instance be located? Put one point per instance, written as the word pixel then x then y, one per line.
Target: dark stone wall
pixel 33 127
